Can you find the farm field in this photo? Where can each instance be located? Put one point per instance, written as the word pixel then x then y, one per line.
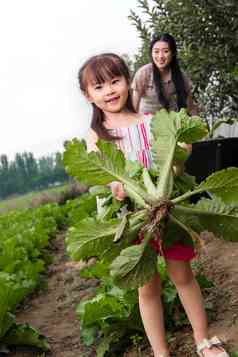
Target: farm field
pixel 52 310
pixel 27 200
pixel 73 256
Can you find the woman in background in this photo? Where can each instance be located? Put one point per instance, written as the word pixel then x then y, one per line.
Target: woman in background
pixel 161 83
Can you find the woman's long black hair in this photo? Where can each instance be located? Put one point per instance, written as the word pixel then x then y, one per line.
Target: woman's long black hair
pixel 177 76
pixel 99 69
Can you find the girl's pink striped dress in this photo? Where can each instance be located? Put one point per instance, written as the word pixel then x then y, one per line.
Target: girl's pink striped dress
pixel 135 144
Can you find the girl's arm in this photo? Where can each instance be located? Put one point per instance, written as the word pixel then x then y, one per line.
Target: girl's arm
pixel 91 140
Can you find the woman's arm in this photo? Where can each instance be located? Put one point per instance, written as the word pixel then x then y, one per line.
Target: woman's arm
pixel 136 100
pixel 139 84
pixel 193 108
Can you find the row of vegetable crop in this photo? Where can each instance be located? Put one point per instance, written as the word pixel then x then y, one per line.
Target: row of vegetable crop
pixel 24 238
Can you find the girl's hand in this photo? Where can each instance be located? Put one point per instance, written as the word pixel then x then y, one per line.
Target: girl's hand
pixel 117 190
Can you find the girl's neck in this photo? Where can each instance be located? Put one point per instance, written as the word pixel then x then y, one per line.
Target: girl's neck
pixel 122 119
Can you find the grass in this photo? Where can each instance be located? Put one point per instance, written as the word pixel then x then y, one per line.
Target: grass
pixel 25 201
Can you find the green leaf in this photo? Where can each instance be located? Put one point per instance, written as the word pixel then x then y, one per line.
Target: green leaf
pixel 216 205
pixel 6 322
pixel 174 232
pixel 107 341
pixel 164 132
pixel 227 196
pixel 191 129
pixel 193 234
pixel 98 270
pixel 131 269
pixel 150 187
pixel 169 129
pixel 101 167
pixel 25 335
pixel 135 222
pixel 137 198
pixel 104 344
pixel 184 183
pixel 202 217
pixel 180 154
pixel 133 168
pixel 100 308
pixel 163 124
pixel 99 191
pixel 120 229
pixel 94 168
pixel 80 208
pixel 91 238
pixel 221 183
pixel 107 207
pixel 88 335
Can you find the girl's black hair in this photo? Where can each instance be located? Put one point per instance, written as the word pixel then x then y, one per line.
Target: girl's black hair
pixel 98 69
pixel 177 75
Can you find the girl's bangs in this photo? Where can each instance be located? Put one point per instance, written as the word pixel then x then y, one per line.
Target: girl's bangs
pixel 103 69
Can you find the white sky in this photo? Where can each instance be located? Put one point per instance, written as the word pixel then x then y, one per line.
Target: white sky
pixel 43 44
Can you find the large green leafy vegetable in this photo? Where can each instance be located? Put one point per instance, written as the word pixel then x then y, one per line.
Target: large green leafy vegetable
pixel 159 211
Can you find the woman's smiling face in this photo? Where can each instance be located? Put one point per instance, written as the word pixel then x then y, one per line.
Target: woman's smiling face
pixel 161 55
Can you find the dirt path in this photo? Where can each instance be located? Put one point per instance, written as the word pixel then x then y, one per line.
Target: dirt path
pixel 53 309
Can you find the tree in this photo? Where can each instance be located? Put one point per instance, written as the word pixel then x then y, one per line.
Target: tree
pixel 21 180
pixel 207 35
pixel 4 172
pixel 59 171
pixel 25 173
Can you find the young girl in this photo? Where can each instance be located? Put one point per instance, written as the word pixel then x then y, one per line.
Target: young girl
pixel 105 80
pixel 161 83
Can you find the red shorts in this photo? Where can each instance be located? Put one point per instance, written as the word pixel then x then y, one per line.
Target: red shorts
pixel 177 251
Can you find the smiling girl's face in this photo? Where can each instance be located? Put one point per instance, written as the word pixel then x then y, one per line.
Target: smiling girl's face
pixel 104 79
pixel 109 95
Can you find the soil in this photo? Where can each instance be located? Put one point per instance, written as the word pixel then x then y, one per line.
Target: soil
pixel 52 309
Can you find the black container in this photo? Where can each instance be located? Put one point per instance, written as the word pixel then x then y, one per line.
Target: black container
pixel 212 155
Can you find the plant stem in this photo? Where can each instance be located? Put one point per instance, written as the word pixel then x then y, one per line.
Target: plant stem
pixel 187 195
